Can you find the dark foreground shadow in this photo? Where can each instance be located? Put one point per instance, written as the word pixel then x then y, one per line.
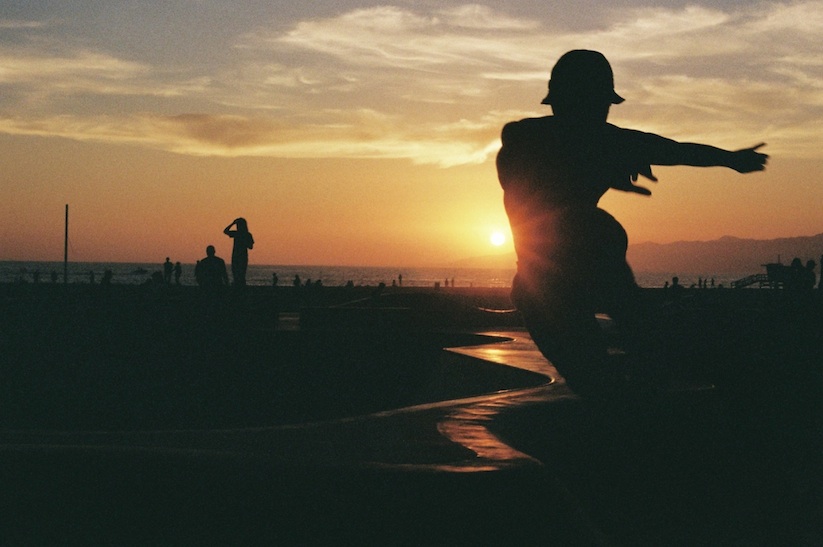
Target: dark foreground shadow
pixel 133 360
pixel 739 464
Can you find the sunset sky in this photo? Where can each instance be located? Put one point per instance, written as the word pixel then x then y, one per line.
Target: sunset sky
pixel 364 133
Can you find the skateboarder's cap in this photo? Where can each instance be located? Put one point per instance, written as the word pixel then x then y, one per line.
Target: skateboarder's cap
pixel 582 72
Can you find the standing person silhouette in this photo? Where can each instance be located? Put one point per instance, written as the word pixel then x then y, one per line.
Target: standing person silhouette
pixel 243 241
pixel 210 273
pixel 820 281
pixel 168 268
pixel 571 254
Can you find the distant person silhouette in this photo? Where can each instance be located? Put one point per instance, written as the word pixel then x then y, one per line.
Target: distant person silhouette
pixel 820 281
pixel 676 287
pixel 210 273
pixel 178 271
pixel 809 277
pixel 168 268
pixel 243 241
pixel 571 254
pixel 794 276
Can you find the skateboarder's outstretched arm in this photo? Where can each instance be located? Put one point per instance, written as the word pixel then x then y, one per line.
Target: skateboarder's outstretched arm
pixel 745 160
pixel 657 150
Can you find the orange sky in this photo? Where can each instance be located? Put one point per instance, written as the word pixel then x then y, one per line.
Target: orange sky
pixel 354 134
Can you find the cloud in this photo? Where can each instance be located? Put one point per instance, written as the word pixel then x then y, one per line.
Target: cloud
pixel 435 86
pixel 41 80
pixel 362 134
pixel 22 67
pixel 394 38
pixel 15 24
pixel 710 72
pixel 480 17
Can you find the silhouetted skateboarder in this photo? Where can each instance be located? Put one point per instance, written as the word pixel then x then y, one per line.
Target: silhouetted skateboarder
pixel 571 254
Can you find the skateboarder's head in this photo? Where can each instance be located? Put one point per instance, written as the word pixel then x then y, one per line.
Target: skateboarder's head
pixel 582 79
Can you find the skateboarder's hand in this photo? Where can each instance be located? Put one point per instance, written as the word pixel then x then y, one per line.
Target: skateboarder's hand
pixel 629 186
pixel 749 160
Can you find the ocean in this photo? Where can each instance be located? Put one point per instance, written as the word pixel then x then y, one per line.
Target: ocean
pixel 331 276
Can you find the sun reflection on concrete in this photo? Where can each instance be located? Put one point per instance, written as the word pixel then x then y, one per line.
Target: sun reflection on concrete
pixel 467 425
pixel 516 349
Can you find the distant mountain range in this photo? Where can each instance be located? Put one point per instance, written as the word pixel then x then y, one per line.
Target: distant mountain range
pixel 727 255
pixel 724 255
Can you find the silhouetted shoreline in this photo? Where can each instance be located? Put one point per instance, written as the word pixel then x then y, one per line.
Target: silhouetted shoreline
pixel 260 275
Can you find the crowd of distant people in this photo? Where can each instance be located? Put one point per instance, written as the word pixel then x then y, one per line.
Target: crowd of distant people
pixel 800 278
pixel 794 278
pixel 701 284
pixel 211 271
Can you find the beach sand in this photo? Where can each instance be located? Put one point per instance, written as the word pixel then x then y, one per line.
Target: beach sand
pixel 135 415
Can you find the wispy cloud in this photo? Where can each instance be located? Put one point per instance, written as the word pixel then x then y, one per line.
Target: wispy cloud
pixel 22 67
pixel 458 40
pixel 435 86
pixel 12 24
pixel 45 82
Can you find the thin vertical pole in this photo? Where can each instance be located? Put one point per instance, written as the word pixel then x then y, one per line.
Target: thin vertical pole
pixel 66 249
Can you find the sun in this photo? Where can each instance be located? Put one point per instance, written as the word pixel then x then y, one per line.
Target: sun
pixel 497 238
